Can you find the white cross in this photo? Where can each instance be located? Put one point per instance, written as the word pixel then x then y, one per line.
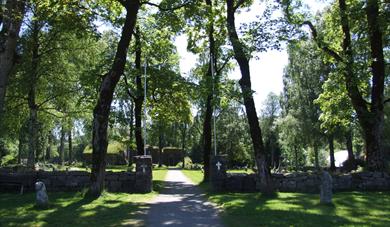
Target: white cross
pixel 143 168
pixel 218 165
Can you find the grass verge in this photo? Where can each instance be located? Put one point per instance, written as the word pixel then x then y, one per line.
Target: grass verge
pixel 299 209
pixel 72 209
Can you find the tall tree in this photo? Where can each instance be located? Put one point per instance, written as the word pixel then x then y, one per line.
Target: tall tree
pixel 102 109
pixel 370 114
pixel 245 82
pixel 11 17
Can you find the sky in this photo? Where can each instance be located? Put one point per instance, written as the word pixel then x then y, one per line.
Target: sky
pixel 266 71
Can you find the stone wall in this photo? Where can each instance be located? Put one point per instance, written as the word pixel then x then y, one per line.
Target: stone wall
pixel 130 182
pixel 72 180
pixel 309 182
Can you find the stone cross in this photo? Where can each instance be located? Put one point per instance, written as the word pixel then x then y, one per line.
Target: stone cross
pixel 143 167
pixel 42 199
pixel 218 165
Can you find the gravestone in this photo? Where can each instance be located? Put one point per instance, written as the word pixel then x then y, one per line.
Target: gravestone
pixel 218 172
pixel 42 200
pixel 143 171
pixel 326 188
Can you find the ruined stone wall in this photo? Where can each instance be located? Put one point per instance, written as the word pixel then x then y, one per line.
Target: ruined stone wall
pixel 309 182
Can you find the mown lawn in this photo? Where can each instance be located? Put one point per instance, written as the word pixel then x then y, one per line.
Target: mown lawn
pixel 299 209
pixel 72 209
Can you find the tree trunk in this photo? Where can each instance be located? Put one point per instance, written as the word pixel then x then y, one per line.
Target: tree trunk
pixel 183 147
pixel 348 140
pixel 207 135
pixel 33 108
pixel 139 96
pixel 373 134
pixel 102 109
pixel 48 149
pixel 11 23
pixel 331 153
pixel 70 145
pixel 62 146
pixel 264 174
pixel 20 147
pixel 316 158
pixel 207 139
pixel 370 119
pixel 160 147
pixel 131 133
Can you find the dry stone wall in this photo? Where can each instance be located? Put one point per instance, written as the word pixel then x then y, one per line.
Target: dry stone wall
pixel 309 182
pixel 130 182
pixel 72 180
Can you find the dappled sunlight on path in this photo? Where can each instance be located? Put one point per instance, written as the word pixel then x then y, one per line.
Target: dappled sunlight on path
pixel 181 203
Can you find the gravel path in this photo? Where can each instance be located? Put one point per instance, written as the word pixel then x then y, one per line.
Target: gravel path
pixel 181 203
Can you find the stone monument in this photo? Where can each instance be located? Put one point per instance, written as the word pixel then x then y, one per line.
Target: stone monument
pixel 42 200
pixel 144 177
pixel 326 188
pixel 218 172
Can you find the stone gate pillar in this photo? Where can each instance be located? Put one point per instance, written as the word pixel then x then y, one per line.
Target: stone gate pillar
pixel 218 172
pixel 143 173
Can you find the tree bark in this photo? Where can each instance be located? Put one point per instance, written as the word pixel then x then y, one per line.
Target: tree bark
pixel 102 109
pixel 263 172
pixel 11 22
pixel 331 153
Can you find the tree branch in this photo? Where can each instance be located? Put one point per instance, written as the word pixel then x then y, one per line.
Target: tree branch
pixel 127 88
pixel 186 3
pixel 239 3
pixel 218 71
pixel 326 49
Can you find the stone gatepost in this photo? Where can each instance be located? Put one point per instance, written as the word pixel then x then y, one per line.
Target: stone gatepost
pixel 143 174
pixel 218 172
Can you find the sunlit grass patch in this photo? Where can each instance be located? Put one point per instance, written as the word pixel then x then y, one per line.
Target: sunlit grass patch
pixel 299 209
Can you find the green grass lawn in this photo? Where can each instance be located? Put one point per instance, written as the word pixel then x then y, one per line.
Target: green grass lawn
pixel 299 209
pixel 72 209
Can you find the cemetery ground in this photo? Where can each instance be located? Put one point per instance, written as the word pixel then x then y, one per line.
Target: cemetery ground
pixel 298 209
pixel 72 209
pixel 236 209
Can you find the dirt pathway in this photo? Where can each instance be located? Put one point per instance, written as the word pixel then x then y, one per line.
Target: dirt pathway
pixel 181 203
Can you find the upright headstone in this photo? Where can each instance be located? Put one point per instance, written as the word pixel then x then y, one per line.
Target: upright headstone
pixel 143 169
pixel 326 188
pixel 218 172
pixel 42 200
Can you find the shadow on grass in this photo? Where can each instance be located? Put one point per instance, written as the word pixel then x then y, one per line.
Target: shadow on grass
pixel 68 209
pixel 253 209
